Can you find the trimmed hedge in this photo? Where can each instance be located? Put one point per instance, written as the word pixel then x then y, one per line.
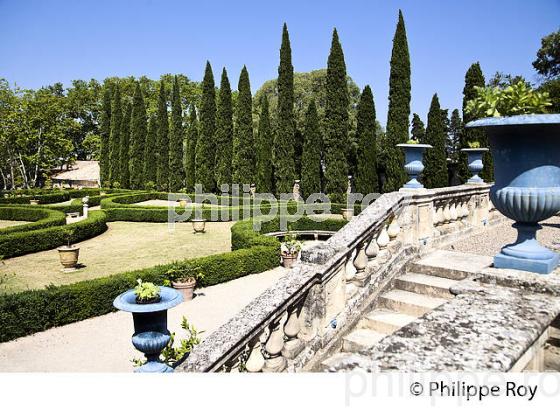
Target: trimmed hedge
pixel 33 311
pixel 40 218
pixel 21 243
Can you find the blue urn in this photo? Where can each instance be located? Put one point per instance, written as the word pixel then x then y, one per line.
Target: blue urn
pixel 526 152
pixel 474 161
pixel 414 163
pixel 150 326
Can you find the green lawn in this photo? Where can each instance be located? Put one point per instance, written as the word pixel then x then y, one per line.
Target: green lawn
pixel 125 246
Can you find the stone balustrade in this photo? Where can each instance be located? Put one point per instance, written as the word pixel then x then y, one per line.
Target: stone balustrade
pixel 295 322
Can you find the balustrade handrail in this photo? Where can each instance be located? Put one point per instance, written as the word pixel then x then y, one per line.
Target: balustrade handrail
pixel 230 340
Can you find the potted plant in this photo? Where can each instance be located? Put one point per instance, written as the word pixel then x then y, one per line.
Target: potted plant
pixel 414 161
pixel 146 292
pixel 184 280
pixel 151 335
pixel 474 160
pixel 69 253
pixel 526 152
pixel 289 250
pixel 199 225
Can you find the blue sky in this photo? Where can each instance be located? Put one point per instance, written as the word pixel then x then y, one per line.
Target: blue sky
pixel 43 42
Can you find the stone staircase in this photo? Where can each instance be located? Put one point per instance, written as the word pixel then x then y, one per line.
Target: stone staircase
pixel 414 294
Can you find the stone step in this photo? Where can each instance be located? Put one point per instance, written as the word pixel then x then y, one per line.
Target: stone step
pixel 337 359
pixel 409 303
pixel 426 284
pixel 451 264
pixel 361 339
pixel 385 321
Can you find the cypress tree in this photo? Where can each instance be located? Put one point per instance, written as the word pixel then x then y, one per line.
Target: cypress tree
pixel 150 162
pixel 138 131
pixel 284 141
pixel 435 171
pixel 192 138
pixel 115 136
pixel 105 131
pixel 475 78
pixel 243 162
pixel 399 108
pixel 204 163
pixel 264 173
pixel 176 168
pixel 418 130
pixel 162 140
pixel 336 123
pixel 366 173
pixel 124 173
pixel 311 155
pixel 455 138
pixel 224 132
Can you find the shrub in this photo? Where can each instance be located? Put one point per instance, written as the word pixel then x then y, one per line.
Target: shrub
pixel 21 243
pixel 39 217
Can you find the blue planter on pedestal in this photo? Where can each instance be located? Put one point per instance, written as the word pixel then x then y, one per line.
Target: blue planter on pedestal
pixel 526 151
pixel 414 165
pixel 150 326
pixel 474 160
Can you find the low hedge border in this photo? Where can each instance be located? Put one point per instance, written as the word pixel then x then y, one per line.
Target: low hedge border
pixel 33 311
pixel 40 218
pixel 21 243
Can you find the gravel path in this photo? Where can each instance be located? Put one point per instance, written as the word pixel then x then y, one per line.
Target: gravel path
pixel 493 239
pixel 102 344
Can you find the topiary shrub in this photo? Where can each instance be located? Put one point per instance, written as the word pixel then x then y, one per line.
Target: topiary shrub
pixel 39 217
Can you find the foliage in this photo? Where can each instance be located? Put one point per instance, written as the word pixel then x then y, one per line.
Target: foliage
pixel 474 144
pixel 399 108
pixel 435 171
pixel 115 137
pixel 366 170
pixel 515 99
pixel 311 156
pixel 39 218
pixel 138 132
pixel 290 245
pixel 224 132
pixel 264 142
pixel 547 62
pixel 192 138
pixel 336 123
pixel 146 291
pixel 105 133
pixel 172 355
pixel 284 138
pixel 24 242
pixel 418 131
pixel 204 162
pixel 413 141
pixel 176 169
pixel 243 162
pixel 150 158
pixel 162 140
pixel 124 176
pixel 474 78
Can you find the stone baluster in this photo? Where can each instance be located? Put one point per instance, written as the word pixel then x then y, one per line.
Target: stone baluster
pixel 393 230
pixel 372 249
pixel 382 241
pixel 292 346
pixel 360 263
pixel 446 214
pixel 255 362
pixel 274 361
pixel 453 211
pixel 349 270
pixel 439 213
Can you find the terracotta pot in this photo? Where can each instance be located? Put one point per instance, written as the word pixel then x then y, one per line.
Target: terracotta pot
pixel 347 213
pixel 199 225
pixel 186 288
pixel 289 260
pixel 183 203
pixel 69 256
pixel 34 202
